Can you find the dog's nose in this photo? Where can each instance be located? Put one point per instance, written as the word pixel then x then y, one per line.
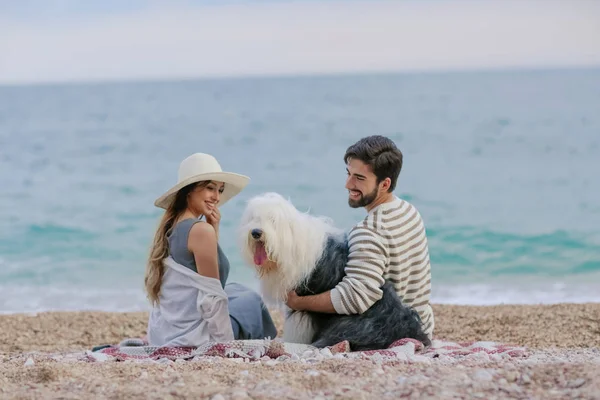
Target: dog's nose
pixel 256 233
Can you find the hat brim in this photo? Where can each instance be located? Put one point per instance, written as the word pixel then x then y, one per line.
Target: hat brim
pixel 234 184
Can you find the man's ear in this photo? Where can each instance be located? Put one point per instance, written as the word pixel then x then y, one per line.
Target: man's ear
pixel 385 184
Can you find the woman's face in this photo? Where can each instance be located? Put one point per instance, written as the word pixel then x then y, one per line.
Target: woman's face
pixel 203 199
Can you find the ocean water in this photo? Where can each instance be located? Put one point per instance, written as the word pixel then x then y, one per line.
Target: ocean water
pixel 503 166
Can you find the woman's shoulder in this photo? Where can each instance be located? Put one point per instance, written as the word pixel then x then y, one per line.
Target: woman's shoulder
pixel 203 228
pixel 203 234
pixel 189 225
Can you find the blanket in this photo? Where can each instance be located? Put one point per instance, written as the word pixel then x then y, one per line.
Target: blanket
pixel 252 350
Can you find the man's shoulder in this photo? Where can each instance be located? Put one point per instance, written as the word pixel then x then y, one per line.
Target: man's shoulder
pixel 397 211
pixel 365 230
pixel 404 224
pixel 369 227
pixel 387 218
pixel 396 219
pixel 365 227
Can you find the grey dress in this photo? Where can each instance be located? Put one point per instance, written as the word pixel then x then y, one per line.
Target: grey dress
pixel 250 319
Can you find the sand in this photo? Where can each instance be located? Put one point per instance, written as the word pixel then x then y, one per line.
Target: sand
pixel 564 342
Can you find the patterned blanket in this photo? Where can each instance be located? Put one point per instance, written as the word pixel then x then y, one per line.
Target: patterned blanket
pixel 404 349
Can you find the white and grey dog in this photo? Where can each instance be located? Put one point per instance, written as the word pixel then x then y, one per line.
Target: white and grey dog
pixel 297 251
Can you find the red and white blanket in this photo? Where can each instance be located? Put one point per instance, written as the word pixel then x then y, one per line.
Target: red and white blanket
pixel 404 349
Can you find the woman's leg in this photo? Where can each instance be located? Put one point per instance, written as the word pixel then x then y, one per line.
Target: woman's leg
pixel 250 318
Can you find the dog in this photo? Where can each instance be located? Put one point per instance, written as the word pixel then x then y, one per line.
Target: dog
pixel 291 250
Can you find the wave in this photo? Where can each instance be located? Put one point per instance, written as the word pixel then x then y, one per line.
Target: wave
pixel 540 293
pixel 475 253
pixel 33 299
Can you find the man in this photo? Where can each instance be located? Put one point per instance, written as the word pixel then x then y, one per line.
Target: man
pixel 390 243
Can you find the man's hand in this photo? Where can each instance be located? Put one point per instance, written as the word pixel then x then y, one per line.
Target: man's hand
pixel 317 303
pixel 294 301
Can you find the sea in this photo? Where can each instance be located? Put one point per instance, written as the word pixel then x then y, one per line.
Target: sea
pixel 504 167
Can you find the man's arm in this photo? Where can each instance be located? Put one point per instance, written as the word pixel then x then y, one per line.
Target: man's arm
pixel 361 287
pixel 318 303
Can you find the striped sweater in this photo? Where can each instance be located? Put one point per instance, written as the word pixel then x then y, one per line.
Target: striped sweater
pixel 390 243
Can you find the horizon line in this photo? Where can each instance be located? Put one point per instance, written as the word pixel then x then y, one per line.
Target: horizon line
pixel 300 75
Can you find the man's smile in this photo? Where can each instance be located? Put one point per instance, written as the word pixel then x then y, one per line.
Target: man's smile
pixel 355 194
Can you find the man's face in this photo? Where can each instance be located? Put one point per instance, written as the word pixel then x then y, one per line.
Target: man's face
pixel 361 184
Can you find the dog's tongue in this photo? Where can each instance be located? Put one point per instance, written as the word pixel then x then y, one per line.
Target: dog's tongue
pixel 260 254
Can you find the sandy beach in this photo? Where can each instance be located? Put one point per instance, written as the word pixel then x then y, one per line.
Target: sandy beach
pixel 563 361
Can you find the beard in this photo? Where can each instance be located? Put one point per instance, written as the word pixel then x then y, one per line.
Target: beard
pixel 363 200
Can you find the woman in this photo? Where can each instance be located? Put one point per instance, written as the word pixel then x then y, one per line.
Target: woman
pixel 187 270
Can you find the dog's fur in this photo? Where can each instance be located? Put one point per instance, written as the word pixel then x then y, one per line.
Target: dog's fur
pixel 308 254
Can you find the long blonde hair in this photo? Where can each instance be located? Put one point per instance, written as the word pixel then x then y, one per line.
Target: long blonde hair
pixel 159 249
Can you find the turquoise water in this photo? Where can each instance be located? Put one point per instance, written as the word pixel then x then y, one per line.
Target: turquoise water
pixel 503 166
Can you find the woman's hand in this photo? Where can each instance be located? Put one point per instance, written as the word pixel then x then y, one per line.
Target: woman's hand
pixel 214 218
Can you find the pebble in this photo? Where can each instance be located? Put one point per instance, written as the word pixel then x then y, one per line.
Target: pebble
pixel 483 375
pixel 377 358
pixel 29 362
pixel 239 394
pixel 217 396
pixel 511 376
pixel 576 383
pixel 515 388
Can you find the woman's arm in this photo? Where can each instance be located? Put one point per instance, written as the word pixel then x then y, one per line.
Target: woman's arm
pixel 212 300
pixel 202 242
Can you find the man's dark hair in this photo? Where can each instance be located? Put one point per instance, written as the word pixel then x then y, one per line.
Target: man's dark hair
pixel 381 154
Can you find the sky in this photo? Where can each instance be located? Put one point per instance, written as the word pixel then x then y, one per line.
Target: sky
pixel 112 40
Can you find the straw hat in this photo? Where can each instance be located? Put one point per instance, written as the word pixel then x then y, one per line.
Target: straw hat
pixel 203 167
